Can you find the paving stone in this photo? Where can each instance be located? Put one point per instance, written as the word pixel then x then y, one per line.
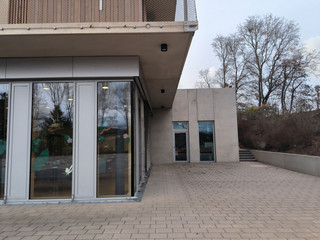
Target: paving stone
pixel 185 201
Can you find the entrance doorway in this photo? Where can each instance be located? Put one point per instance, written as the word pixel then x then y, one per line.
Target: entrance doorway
pixel 180 142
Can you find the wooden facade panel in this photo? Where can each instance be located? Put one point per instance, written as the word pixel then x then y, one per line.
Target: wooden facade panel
pixel 65 11
pixel 32 5
pixel 18 11
pixel 76 11
pixel 59 11
pixel 44 12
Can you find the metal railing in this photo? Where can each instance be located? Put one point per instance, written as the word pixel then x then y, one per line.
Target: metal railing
pixel 78 11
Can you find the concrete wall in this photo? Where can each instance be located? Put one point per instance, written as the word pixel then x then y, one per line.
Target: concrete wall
pixel 68 67
pixel 294 162
pixel 226 127
pixel 192 106
pixel 162 151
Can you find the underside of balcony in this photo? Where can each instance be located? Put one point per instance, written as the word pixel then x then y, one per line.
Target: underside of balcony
pixel 161 70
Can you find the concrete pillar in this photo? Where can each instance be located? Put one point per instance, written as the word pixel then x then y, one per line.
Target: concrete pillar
pixel 193 127
pixel 19 145
pixel 226 128
pixel 85 147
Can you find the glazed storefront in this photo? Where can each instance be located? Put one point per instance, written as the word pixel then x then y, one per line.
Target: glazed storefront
pixel 78 138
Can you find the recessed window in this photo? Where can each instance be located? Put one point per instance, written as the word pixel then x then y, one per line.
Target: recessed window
pixel 206 141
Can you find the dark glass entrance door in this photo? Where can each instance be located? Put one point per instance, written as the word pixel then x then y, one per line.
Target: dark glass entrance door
pixel 180 147
pixel 180 142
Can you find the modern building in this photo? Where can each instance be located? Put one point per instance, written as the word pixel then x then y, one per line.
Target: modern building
pixel 83 86
pixel 201 126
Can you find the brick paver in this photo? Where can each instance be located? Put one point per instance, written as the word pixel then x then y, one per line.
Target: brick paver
pixel 186 201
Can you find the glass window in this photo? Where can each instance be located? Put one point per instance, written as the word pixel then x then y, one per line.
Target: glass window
pixel 3 134
pixel 114 139
pixel 206 141
pixel 52 140
pixel 180 125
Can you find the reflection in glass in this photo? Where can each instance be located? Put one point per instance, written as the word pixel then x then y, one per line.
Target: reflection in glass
pixel 52 134
pixel 3 134
pixel 114 138
pixel 180 125
pixel 206 141
pixel 180 140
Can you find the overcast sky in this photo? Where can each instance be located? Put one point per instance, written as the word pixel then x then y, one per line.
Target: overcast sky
pixel 223 17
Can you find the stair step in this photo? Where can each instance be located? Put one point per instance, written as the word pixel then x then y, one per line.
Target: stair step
pixel 246 156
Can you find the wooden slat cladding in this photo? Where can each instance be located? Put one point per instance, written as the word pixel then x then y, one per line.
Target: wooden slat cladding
pixel 18 11
pixel 68 11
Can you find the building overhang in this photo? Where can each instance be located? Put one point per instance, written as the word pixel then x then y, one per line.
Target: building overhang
pixel 161 70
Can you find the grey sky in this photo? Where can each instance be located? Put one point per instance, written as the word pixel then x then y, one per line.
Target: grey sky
pixel 223 17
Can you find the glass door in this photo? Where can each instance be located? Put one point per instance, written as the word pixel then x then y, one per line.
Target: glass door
pixel 181 142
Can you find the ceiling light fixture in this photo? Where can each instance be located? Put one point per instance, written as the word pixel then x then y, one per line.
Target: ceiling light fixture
pixel 164 47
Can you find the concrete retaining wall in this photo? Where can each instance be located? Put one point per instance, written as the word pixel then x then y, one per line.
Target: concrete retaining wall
pixel 299 163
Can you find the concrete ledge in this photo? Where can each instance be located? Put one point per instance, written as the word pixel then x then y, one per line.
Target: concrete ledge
pixel 294 162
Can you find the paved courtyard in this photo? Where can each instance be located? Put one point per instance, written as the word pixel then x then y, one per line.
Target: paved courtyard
pixel 186 201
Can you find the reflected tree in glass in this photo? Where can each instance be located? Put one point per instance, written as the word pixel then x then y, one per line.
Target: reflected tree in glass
pixel 114 139
pixel 206 141
pixel 52 140
pixel 3 134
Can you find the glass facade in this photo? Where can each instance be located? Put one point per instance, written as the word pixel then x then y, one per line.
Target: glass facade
pixel 206 141
pixel 52 140
pixel 114 137
pixel 3 134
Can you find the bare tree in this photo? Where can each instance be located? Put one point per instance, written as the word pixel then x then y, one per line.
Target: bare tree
pixel 267 40
pixel 238 72
pixel 264 62
pixel 220 47
pixel 304 101
pixel 317 89
pixel 205 80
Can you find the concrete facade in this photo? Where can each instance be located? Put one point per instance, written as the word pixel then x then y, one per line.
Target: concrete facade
pixel 193 106
pixel 294 162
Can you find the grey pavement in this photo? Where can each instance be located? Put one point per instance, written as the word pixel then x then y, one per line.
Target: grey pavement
pixel 186 201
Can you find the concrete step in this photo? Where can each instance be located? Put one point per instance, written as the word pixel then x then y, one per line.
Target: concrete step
pixel 246 156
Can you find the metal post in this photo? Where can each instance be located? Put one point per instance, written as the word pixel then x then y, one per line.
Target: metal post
pixel 185 7
pixel 100 5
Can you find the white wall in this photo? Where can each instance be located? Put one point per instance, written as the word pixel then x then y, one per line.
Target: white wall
pixel 294 162
pixel 226 127
pixel 85 147
pixel 19 143
pixel 192 106
pixel 68 67
pixel 162 145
